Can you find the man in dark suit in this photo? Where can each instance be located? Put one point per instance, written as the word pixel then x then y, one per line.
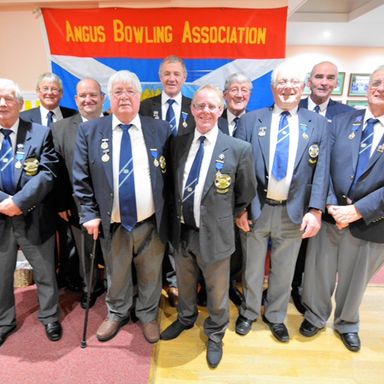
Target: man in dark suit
pixel 292 166
pixel 119 172
pixel 322 82
pixel 89 100
pixel 173 106
pixel 351 249
pixel 28 169
pixel 207 199
pixel 49 89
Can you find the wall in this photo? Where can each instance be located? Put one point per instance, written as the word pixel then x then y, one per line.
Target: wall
pixel 24 55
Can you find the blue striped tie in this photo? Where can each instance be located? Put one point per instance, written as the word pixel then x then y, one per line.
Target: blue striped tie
pixel 317 109
pixel 6 161
pixel 127 196
pixel 280 162
pixel 189 189
pixel 365 148
pixel 171 118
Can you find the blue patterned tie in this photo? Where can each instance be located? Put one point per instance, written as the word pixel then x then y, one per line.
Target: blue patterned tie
pixel 127 196
pixel 189 189
pixel 171 118
pixel 365 148
pixel 317 109
pixel 6 161
pixel 50 118
pixel 280 162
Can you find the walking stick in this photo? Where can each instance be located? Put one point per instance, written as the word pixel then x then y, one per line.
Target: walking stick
pixel 89 288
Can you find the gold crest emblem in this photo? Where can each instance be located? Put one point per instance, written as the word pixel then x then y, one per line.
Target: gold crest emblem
pixel 163 165
pixel 222 182
pixel 31 166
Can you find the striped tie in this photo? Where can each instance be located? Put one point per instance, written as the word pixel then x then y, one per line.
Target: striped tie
pixel 6 162
pixel 280 161
pixel 171 118
pixel 189 190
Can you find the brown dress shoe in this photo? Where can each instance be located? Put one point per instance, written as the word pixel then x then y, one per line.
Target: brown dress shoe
pixel 151 331
pixel 109 329
pixel 173 296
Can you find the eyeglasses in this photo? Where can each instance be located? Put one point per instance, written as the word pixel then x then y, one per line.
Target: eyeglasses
pixel 55 91
pixel 294 83
pixel 377 83
pixel 8 99
pixel 121 92
pixel 234 91
pixel 202 107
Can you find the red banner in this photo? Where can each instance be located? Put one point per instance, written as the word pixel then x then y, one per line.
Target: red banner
pixel 152 33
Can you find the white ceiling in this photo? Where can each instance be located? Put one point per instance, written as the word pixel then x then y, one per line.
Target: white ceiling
pixel 357 23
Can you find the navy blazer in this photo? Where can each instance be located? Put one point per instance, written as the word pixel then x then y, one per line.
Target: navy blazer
pixel 33 195
pixel 333 108
pixel 34 116
pixel 93 178
pixel 217 210
pixel 368 194
pixel 309 183
pixel 152 107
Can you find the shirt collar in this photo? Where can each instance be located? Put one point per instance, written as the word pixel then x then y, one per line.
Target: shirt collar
pixel 135 122
pixel 211 136
pixel 312 105
pixel 369 115
pixel 165 98
pixel 278 110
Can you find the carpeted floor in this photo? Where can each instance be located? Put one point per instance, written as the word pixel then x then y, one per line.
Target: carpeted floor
pixel 28 357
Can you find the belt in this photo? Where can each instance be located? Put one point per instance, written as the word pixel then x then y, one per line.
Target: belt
pixel 138 224
pixel 275 202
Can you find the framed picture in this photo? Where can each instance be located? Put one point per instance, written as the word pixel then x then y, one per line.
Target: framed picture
pixel 358 84
pixel 358 104
pixel 338 91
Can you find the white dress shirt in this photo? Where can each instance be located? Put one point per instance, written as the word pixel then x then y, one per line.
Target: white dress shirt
pixel 323 106
pixel 44 115
pixel 278 190
pixel 230 118
pixel 13 135
pixel 209 145
pixel 378 129
pixel 143 186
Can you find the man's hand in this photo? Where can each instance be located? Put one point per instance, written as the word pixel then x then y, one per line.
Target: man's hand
pixel 92 227
pixel 9 208
pixel 311 223
pixel 242 222
pixel 344 214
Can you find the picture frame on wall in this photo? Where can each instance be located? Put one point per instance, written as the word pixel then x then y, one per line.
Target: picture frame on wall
pixel 358 104
pixel 358 84
pixel 338 91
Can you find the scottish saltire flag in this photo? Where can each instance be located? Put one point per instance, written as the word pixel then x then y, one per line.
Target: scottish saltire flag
pixel 214 42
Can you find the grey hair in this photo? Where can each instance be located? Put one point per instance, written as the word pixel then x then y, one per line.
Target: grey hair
pixel 211 87
pixel 289 68
pixel 237 77
pixel 10 85
pixel 125 77
pixel 50 78
pixel 173 59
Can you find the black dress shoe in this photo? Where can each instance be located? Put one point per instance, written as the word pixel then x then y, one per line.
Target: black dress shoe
pixel 53 331
pixel 235 295
pixel 4 335
pixel 296 298
pixel 279 330
pixel 307 329
pixel 243 325
pixel 351 340
pixel 99 290
pixel 174 330
pixel 214 353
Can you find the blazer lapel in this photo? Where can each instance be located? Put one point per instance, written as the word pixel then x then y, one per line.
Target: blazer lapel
pixel 152 148
pixel 263 132
pixel 105 135
pixel 22 145
pixel 305 130
pixel 220 148
pixel 354 136
pixel 184 143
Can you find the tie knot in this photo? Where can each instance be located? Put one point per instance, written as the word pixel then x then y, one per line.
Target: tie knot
pixel 201 139
pixel 6 132
pixel 317 109
pixel 235 120
pixel 125 127
pixel 50 114
pixel 170 102
pixel 372 121
pixel 284 113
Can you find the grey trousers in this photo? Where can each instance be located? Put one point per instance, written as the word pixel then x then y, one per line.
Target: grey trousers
pixel 42 259
pixel 336 258
pixel 216 276
pixel 144 247
pixel 273 224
